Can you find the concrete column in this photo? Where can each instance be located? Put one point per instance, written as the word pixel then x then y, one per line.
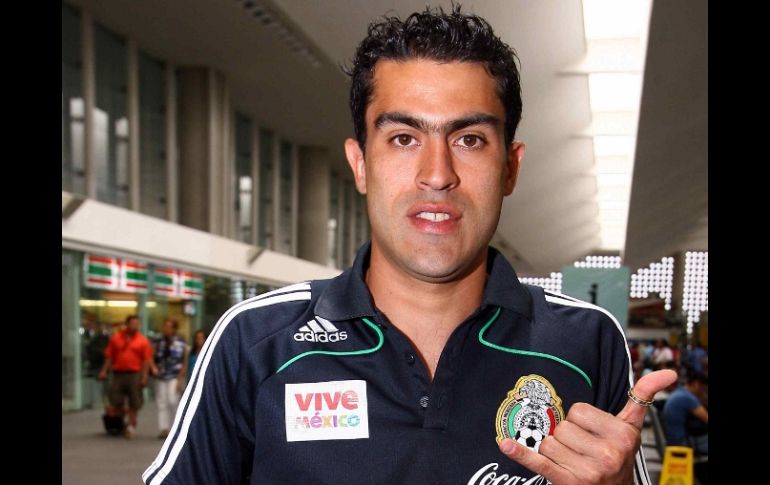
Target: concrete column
pixel 133 125
pixel 277 235
pixel 89 101
pixel 294 199
pixel 255 183
pixel 215 165
pixel 313 204
pixel 172 156
pixel 225 208
pixel 677 286
pixel 202 152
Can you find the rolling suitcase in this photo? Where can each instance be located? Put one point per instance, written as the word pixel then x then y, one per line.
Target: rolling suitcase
pixel 114 424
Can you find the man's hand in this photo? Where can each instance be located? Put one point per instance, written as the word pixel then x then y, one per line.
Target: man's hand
pixel 102 375
pixel 143 380
pixel 590 445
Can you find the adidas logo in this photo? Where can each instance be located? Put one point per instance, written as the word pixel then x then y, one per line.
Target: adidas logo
pixel 319 330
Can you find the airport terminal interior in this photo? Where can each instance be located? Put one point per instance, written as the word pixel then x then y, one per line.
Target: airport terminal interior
pixel 203 164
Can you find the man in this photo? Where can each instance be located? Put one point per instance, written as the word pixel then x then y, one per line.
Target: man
pixel 169 369
pixel 95 340
pixel 128 354
pixel 697 357
pixel 684 412
pixel 662 354
pixel 421 362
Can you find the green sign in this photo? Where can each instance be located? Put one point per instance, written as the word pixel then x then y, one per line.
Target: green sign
pixel 101 272
pixel 192 285
pixel 605 287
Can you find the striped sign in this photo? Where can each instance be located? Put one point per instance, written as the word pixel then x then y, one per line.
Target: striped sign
pixel 108 273
pixel 133 277
pixel 191 285
pixel 166 281
pixel 101 272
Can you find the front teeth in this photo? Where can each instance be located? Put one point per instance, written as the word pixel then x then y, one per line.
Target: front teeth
pixel 433 216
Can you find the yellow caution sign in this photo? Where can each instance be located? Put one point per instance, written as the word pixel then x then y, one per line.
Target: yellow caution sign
pixel 677 466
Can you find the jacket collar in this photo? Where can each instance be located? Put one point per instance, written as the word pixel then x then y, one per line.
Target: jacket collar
pixel 347 297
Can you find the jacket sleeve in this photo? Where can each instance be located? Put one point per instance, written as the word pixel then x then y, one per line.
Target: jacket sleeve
pixel 615 377
pixel 211 440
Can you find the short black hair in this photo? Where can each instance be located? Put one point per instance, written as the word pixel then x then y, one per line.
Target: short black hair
pixel 434 34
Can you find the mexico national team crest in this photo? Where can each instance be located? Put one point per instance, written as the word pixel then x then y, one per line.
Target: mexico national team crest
pixel 529 413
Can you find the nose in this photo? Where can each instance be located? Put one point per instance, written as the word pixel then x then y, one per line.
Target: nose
pixel 437 170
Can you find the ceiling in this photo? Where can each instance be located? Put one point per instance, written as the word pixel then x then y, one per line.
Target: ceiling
pixel 669 196
pixel 551 219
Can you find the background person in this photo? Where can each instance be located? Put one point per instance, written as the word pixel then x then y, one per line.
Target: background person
pixel 169 370
pixel 129 355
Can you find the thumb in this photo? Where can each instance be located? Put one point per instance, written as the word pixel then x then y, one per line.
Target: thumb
pixel 646 388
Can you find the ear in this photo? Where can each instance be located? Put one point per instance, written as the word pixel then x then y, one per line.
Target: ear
pixel 356 161
pixel 512 163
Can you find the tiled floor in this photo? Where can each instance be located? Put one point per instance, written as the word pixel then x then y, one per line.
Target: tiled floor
pixel 91 457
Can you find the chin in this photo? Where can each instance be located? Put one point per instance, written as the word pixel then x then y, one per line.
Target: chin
pixel 436 271
pixel 441 263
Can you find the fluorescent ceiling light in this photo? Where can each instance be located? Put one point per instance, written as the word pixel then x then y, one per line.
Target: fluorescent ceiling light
pixel 615 91
pixel 613 19
pixel 612 146
pixel 115 303
pixel 616 42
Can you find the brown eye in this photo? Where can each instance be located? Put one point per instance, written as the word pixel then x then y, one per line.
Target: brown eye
pixel 403 140
pixel 470 140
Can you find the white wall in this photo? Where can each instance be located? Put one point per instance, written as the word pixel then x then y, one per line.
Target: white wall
pixel 103 228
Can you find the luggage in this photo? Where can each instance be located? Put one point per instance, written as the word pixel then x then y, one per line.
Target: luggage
pixel 114 424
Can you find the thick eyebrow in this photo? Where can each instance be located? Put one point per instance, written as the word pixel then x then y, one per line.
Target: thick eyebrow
pixel 427 126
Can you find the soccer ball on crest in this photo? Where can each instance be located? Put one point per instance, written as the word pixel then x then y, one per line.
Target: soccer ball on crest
pixel 530 436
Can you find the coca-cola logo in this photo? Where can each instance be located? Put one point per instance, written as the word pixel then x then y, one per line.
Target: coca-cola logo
pixel 487 475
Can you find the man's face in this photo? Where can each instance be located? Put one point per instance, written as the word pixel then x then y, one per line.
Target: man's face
pixel 436 166
pixel 168 328
pixel 132 325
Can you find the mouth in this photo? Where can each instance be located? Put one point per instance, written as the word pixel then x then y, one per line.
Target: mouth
pixel 434 218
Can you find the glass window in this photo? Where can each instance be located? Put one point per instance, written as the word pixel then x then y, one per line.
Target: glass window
pixel 265 238
pixel 243 180
pixel 333 225
pixel 72 107
pixel 286 194
pixel 160 308
pixel 111 117
pixel 217 299
pixel 177 183
pixel 71 359
pixel 245 289
pixel 152 136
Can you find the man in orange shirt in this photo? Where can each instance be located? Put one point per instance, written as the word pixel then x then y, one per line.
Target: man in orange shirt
pixel 129 354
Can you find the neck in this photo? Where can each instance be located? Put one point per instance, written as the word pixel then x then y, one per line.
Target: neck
pixel 394 293
pixel 426 312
